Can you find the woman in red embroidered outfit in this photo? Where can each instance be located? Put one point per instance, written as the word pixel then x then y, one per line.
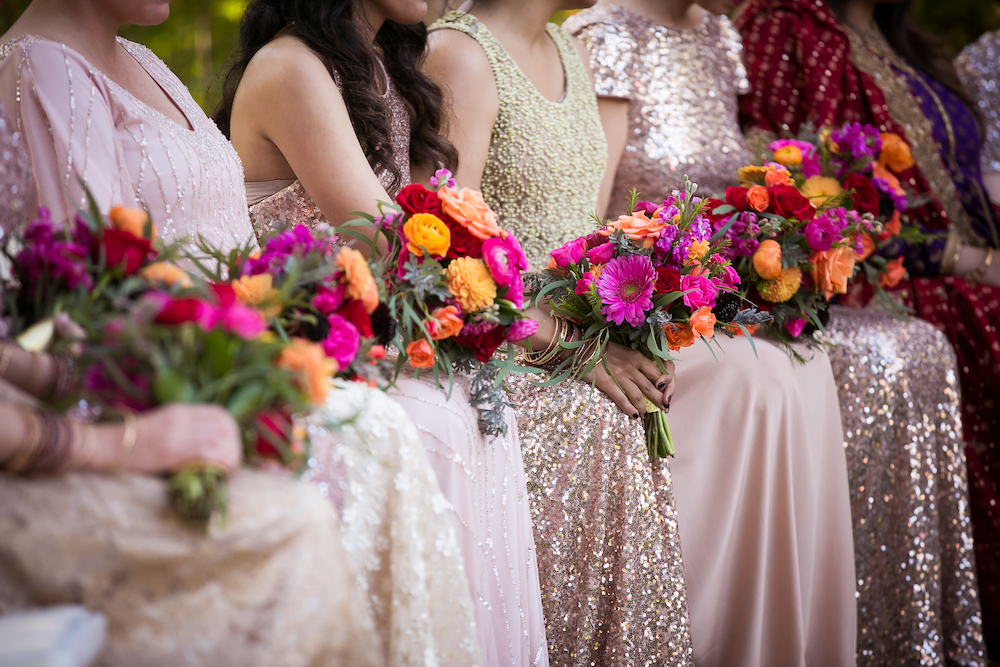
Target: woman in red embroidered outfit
pixel 830 63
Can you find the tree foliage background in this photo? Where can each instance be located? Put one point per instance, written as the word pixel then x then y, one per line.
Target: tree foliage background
pixel 196 40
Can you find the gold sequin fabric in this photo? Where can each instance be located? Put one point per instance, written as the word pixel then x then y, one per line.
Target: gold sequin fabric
pixel 979 68
pixel 293 206
pixel 546 159
pixel 682 87
pixel 609 553
pixel 900 404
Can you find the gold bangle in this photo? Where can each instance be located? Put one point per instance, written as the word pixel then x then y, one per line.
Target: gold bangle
pixel 553 349
pixel 952 249
pixel 128 439
pixel 23 459
pixel 8 352
pixel 981 270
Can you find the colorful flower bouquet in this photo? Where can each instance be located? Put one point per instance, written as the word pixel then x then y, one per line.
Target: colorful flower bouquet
pixel 455 288
pixel 817 214
pixel 656 280
pixel 308 287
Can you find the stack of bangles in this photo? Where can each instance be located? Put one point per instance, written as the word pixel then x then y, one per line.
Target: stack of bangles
pixel 553 355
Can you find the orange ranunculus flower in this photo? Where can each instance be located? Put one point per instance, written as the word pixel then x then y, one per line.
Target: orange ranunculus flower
pixel 311 366
pixel 467 208
pixel 165 274
pixel 697 250
pixel 131 220
pixel 783 287
pixel 258 292
pixel 678 336
pixel 894 226
pixel 449 323
pixel 894 272
pixel 790 156
pixel 429 231
pixel 867 248
pixel 759 198
pixel 777 177
pixel 833 269
pixel 421 354
pixel 703 322
pixel 638 227
pixel 818 189
pixel 879 171
pixel 767 259
pixel 895 153
pixel 751 174
pixel 470 282
pixel 360 283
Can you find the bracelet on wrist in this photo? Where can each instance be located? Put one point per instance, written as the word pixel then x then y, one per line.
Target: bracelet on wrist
pixel 977 275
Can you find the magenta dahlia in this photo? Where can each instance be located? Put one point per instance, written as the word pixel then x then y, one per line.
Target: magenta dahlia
pixel 625 287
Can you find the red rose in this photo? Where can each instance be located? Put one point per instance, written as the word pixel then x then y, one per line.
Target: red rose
pixel 418 199
pixel 788 202
pixel 179 311
pixel 865 196
pixel 354 312
pixel 482 345
pixel 122 249
pixel 463 243
pixel 710 206
pixel 667 280
pixel 225 295
pixel 272 428
pixel 737 198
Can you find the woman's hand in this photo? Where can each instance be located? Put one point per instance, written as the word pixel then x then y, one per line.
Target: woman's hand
pixel 629 377
pixel 168 439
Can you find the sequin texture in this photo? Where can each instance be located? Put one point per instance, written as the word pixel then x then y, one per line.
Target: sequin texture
pixel 681 86
pixel 979 67
pixel 15 175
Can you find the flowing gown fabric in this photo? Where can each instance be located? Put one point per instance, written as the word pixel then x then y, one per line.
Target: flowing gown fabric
pixel 605 526
pixel 759 476
pixel 77 123
pixel 481 478
pixel 918 600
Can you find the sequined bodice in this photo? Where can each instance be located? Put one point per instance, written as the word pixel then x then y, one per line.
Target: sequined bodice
pixel 979 68
pixel 15 175
pixel 546 159
pixel 79 124
pixel 292 205
pixel 682 86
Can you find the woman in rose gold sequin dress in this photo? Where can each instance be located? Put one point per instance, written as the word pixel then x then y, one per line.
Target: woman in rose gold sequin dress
pixel 328 123
pixel 759 476
pixel 273 585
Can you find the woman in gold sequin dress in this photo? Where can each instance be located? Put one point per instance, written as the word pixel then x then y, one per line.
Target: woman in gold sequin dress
pixel 530 137
pixel 328 113
pixel 916 507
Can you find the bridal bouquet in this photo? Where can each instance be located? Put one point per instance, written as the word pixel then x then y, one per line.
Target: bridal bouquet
pixel 655 281
pixel 308 287
pixel 455 287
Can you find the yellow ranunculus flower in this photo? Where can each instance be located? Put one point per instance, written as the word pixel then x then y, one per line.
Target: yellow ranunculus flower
pixel 258 292
pixel 696 251
pixel 165 274
pixel 429 231
pixel 789 156
pixel 818 189
pixel 470 282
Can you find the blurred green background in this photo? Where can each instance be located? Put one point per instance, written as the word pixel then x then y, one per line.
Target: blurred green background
pixel 197 38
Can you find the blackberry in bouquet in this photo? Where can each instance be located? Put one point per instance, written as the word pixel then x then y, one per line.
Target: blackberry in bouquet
pixel 654 281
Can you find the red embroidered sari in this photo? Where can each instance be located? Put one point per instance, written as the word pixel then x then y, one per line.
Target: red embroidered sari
pixel 806 68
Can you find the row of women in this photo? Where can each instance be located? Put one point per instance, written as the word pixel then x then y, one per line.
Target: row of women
pixel 838 511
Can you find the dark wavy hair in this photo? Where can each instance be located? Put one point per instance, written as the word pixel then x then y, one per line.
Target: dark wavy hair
pixel 922 50
pixel 331 28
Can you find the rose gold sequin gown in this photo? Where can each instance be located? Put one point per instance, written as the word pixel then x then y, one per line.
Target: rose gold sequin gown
pixel 482 479
pixel 759 476
pixel 272 585
pixel 605 524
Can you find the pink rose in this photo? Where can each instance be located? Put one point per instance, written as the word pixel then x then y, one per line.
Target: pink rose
pixel 328 300
pixel 570 253
pixel 795 327
pixel 702 292
pixel 602 254
pixel 728 278
pixel 584 284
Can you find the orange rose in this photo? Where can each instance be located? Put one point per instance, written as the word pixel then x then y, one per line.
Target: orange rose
pixel 467 208
pixel 894 272
pixel 867 248
pixel 678 336
pixel 311 366
pixel 449 323
pixel 767 259
pixel 895 153
pixel 777 177
pixel 360 282
pixel 165 274
pixel 789 156
pixel 421 354
pixel 131 220
pixel 638 227
pixel 703 322
pixel 759 198
pixel 832 269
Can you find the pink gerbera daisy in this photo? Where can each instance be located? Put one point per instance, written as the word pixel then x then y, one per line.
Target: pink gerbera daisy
pixel 625 287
